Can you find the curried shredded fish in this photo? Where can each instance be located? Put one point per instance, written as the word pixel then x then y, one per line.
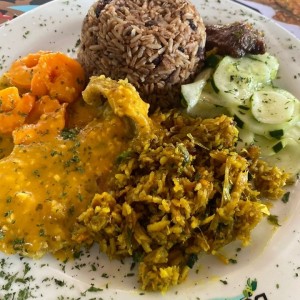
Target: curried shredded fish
pixel 177 191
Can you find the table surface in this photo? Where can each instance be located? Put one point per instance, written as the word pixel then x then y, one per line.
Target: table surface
pixel 285 12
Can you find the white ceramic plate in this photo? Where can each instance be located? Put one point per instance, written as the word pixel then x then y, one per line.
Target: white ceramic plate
pixel 268 269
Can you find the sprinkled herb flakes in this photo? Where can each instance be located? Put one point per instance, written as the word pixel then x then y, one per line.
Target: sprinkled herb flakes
pixel 285 198
pixel 23 278
pixel 273 219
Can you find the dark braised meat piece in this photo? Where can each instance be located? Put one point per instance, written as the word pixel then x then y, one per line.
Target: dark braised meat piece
pixel 236 39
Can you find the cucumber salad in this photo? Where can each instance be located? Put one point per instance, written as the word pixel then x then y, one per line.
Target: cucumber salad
pixel 265 114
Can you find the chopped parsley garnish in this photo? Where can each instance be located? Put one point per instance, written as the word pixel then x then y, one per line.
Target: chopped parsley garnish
pixel 18 244
pixel 124 156
pixel 91 289
pixel 273 219
pixel 285 198
pixel 192 260
pixel 2 235
pixel 59 282
pixel 232 261
pixel 69 134
pixel 137 256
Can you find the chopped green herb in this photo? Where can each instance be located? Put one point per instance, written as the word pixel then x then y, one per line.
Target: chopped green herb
pixel 8 213
pixel 273 220
pixel 251 286
pixel 197 176
pixel 24 294
pixel 36 173
pixel 69 134
pixel 71 210
pixel 73 160
pixel 18 244
pixel 80 197
pixel 192 260
pixel 59 282
pixel 92 289
pixel 232 261
pixel 137 256
pixel 185 153
pixel 10 280
pixel 77 43
pixel 77 254
pixel 26 268
pixel 285 198
pixel 2 234
pixel 124 156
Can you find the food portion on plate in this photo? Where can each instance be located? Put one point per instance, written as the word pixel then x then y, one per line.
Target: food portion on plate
pixel 244 88
pixel 178 190
pixel 157 45
pixel 100 150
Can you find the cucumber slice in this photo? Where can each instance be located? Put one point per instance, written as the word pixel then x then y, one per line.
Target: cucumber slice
pixel 246 120
pixel 294 132
pixel 246 138
pixel 266 116
pixel 273 106
pixel 270 60
pixel 269 146
pixel 191 92
pixel 206 109
pixel 237 79
pixel 200 103
pixel 286 158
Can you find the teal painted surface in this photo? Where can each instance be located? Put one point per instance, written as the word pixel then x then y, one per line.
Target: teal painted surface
pixel 23 8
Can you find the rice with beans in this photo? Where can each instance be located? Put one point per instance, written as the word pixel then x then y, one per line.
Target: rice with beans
pixel 157 44
pixel 182 191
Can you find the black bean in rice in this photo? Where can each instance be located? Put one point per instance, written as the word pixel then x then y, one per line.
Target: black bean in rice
pixel 157 44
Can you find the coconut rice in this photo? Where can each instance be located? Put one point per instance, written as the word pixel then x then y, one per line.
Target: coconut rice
pixel 157 44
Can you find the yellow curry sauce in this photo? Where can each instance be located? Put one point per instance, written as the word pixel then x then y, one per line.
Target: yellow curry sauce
pixel 6 145
pixel 47 183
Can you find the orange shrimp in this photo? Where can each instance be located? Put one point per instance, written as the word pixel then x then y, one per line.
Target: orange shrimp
pixel 14 109
pixel 44 105
pixel 22 70
pixel 58 76
pixel 8 98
